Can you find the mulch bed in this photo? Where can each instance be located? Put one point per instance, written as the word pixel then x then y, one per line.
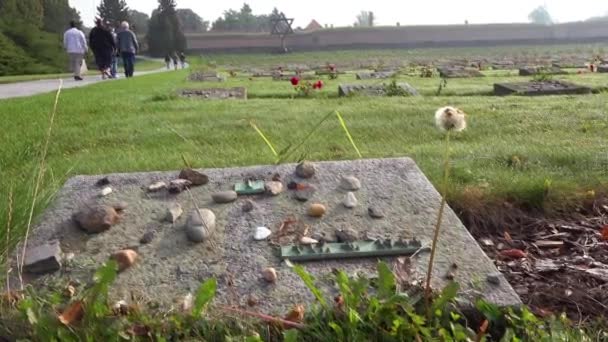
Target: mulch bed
pixel 555 264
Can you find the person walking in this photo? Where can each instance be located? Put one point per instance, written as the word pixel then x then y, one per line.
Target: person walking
pixel 182 59
pixel 114 66
pixel 75 44
pixel 102 44
pixel 168 61
pixel 128 47
pixel 174 57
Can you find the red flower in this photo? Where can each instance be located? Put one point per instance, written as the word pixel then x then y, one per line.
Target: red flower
pixel 318 85
pixel 295 81
pixel 332 67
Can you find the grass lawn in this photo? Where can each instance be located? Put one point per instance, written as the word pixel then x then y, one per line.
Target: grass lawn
pixel 142 65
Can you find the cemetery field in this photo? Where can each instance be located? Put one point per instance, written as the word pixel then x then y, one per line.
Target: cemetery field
pixel 527 150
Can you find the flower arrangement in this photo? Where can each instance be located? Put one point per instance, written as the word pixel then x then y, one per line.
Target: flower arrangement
pixel 333 71
pixel 305 88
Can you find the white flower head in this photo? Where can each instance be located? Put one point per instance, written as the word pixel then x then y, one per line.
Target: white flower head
pixel 450 119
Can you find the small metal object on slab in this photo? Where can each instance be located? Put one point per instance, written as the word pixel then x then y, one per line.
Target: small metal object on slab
pixel 355 249
pixel 250 187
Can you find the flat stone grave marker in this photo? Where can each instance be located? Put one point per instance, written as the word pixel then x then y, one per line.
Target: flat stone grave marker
pixel 540 88
pixel 534 70
pixel 603 68
pixel 287 77
pixel 459 72
pixel 372 89
pixel 216 93
pixel 394 200
pixel 375 75
pixel 206 77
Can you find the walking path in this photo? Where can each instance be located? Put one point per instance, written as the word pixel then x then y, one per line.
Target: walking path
pixel 29 88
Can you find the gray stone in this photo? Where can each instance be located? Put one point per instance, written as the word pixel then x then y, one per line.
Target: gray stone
pixel 540 88
pixel 223 197
pixel 209 76
pixel 274 188
pixel 494 278
pixel 157 186
pixel 248 206
pixel 375 75
pixel 347 235
pixel 458 72
pixel 179 185
pixel 350 183
pixel 174 212
pixel 305 195
pixel 375 212
pixel 305 170
pixel 409 199
pixel 373 89
pixel 96 218
pixel 350 200
pixel 43 259
pixel 147 238
pixel 200 225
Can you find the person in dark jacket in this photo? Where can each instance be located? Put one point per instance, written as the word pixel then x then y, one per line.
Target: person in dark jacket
pixel 102 44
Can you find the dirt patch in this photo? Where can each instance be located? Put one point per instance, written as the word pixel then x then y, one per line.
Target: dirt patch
pixel 564 264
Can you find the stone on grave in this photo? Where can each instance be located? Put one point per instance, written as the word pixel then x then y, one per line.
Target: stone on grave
pixel 223 197
pixel 350 200
pixel 238 93
pixel 195 177
pixel 42 259
pixel 200 225
pixel 603 68
pixel 531 71
pixel 350 183
pixel 96 218
pixel 539 88
pixel 372 89
pixel 209 76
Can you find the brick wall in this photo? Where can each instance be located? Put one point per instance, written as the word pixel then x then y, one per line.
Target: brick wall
pixel 406 36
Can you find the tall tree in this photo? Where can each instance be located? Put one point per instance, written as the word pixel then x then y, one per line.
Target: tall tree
pixel 365 19
pixel 114 11
pixel 540 15
pixel 164 34
pixel 191 22
pixel 244 20
pixel 57 15
pixel 139 21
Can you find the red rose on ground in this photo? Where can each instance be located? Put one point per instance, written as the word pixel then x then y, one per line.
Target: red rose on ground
pixel 318 85
pixel 295 81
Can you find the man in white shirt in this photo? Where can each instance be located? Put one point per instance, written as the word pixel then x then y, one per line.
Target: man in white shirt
pixel 75 44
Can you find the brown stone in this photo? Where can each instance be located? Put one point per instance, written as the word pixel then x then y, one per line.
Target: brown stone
pixel 195 177
pixel 96 218
pixel 316 210
pixel 125 259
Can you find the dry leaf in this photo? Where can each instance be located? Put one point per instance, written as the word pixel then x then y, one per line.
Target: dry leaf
pixel 72 314
pixel 69 291
pixel 403 271
pixel 484 327
pixel 605 233
pixel 296 314
pixel 514 253
pixel 139 330
pixel 508 237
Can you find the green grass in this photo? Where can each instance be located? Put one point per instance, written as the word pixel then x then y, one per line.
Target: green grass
pixel 142 65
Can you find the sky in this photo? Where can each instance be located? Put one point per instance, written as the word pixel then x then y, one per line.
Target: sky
pixel 387 12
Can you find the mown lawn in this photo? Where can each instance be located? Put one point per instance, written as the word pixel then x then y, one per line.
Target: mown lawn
pixel 515 148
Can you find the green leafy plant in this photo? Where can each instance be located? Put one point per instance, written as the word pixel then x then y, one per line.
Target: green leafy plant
pixel 393 89
pixel 542 75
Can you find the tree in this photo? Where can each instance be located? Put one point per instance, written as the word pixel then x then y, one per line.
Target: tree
pixel 191 22
pixel 365 19
pixel 114 11
pixel 244 20
pixel 58 14
pixel 540 15
pixel 164 33
pixel 139 21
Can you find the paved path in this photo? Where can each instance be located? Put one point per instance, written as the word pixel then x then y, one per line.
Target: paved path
pixel 29 88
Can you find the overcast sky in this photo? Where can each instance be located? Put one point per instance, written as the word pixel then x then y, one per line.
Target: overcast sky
pixel 388 12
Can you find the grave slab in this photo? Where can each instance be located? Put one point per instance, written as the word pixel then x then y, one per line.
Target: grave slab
pixel 534 70
pixel 206 77
pixel 169 266
pixel 540 88
pixel 216 93
pixel 372 89
pixel 458 72
pixel 375 75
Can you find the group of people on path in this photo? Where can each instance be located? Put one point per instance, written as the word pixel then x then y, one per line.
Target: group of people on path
pixel 175 57
pixel 107 46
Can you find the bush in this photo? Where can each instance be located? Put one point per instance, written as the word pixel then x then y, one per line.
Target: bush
pixel 15 61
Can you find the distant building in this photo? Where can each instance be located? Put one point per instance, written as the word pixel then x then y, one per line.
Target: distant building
pixel 313 26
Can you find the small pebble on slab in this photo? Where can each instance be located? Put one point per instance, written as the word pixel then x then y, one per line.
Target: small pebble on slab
pixel 158 186
pixel 305 170
pixel 261 233
pixel 350 183
pixel 274 188
pixel 96 218
pixel 316 210
pixel 179 185
pixel 375 212
pixel 125 259
pixel 195 177
pixel 174 212
pixel 43 259
pixel 350 200
pixel 200 225
pixel 105 191
pixel 224 197
pixel 270 275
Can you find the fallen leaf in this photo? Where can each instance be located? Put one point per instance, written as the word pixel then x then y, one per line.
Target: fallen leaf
pixel 139 330
pixel 605 233
pixel 296 314
pixel 484 327
pixel 508 237
pixel 70 291
pixel 72 314
pixel 514 253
